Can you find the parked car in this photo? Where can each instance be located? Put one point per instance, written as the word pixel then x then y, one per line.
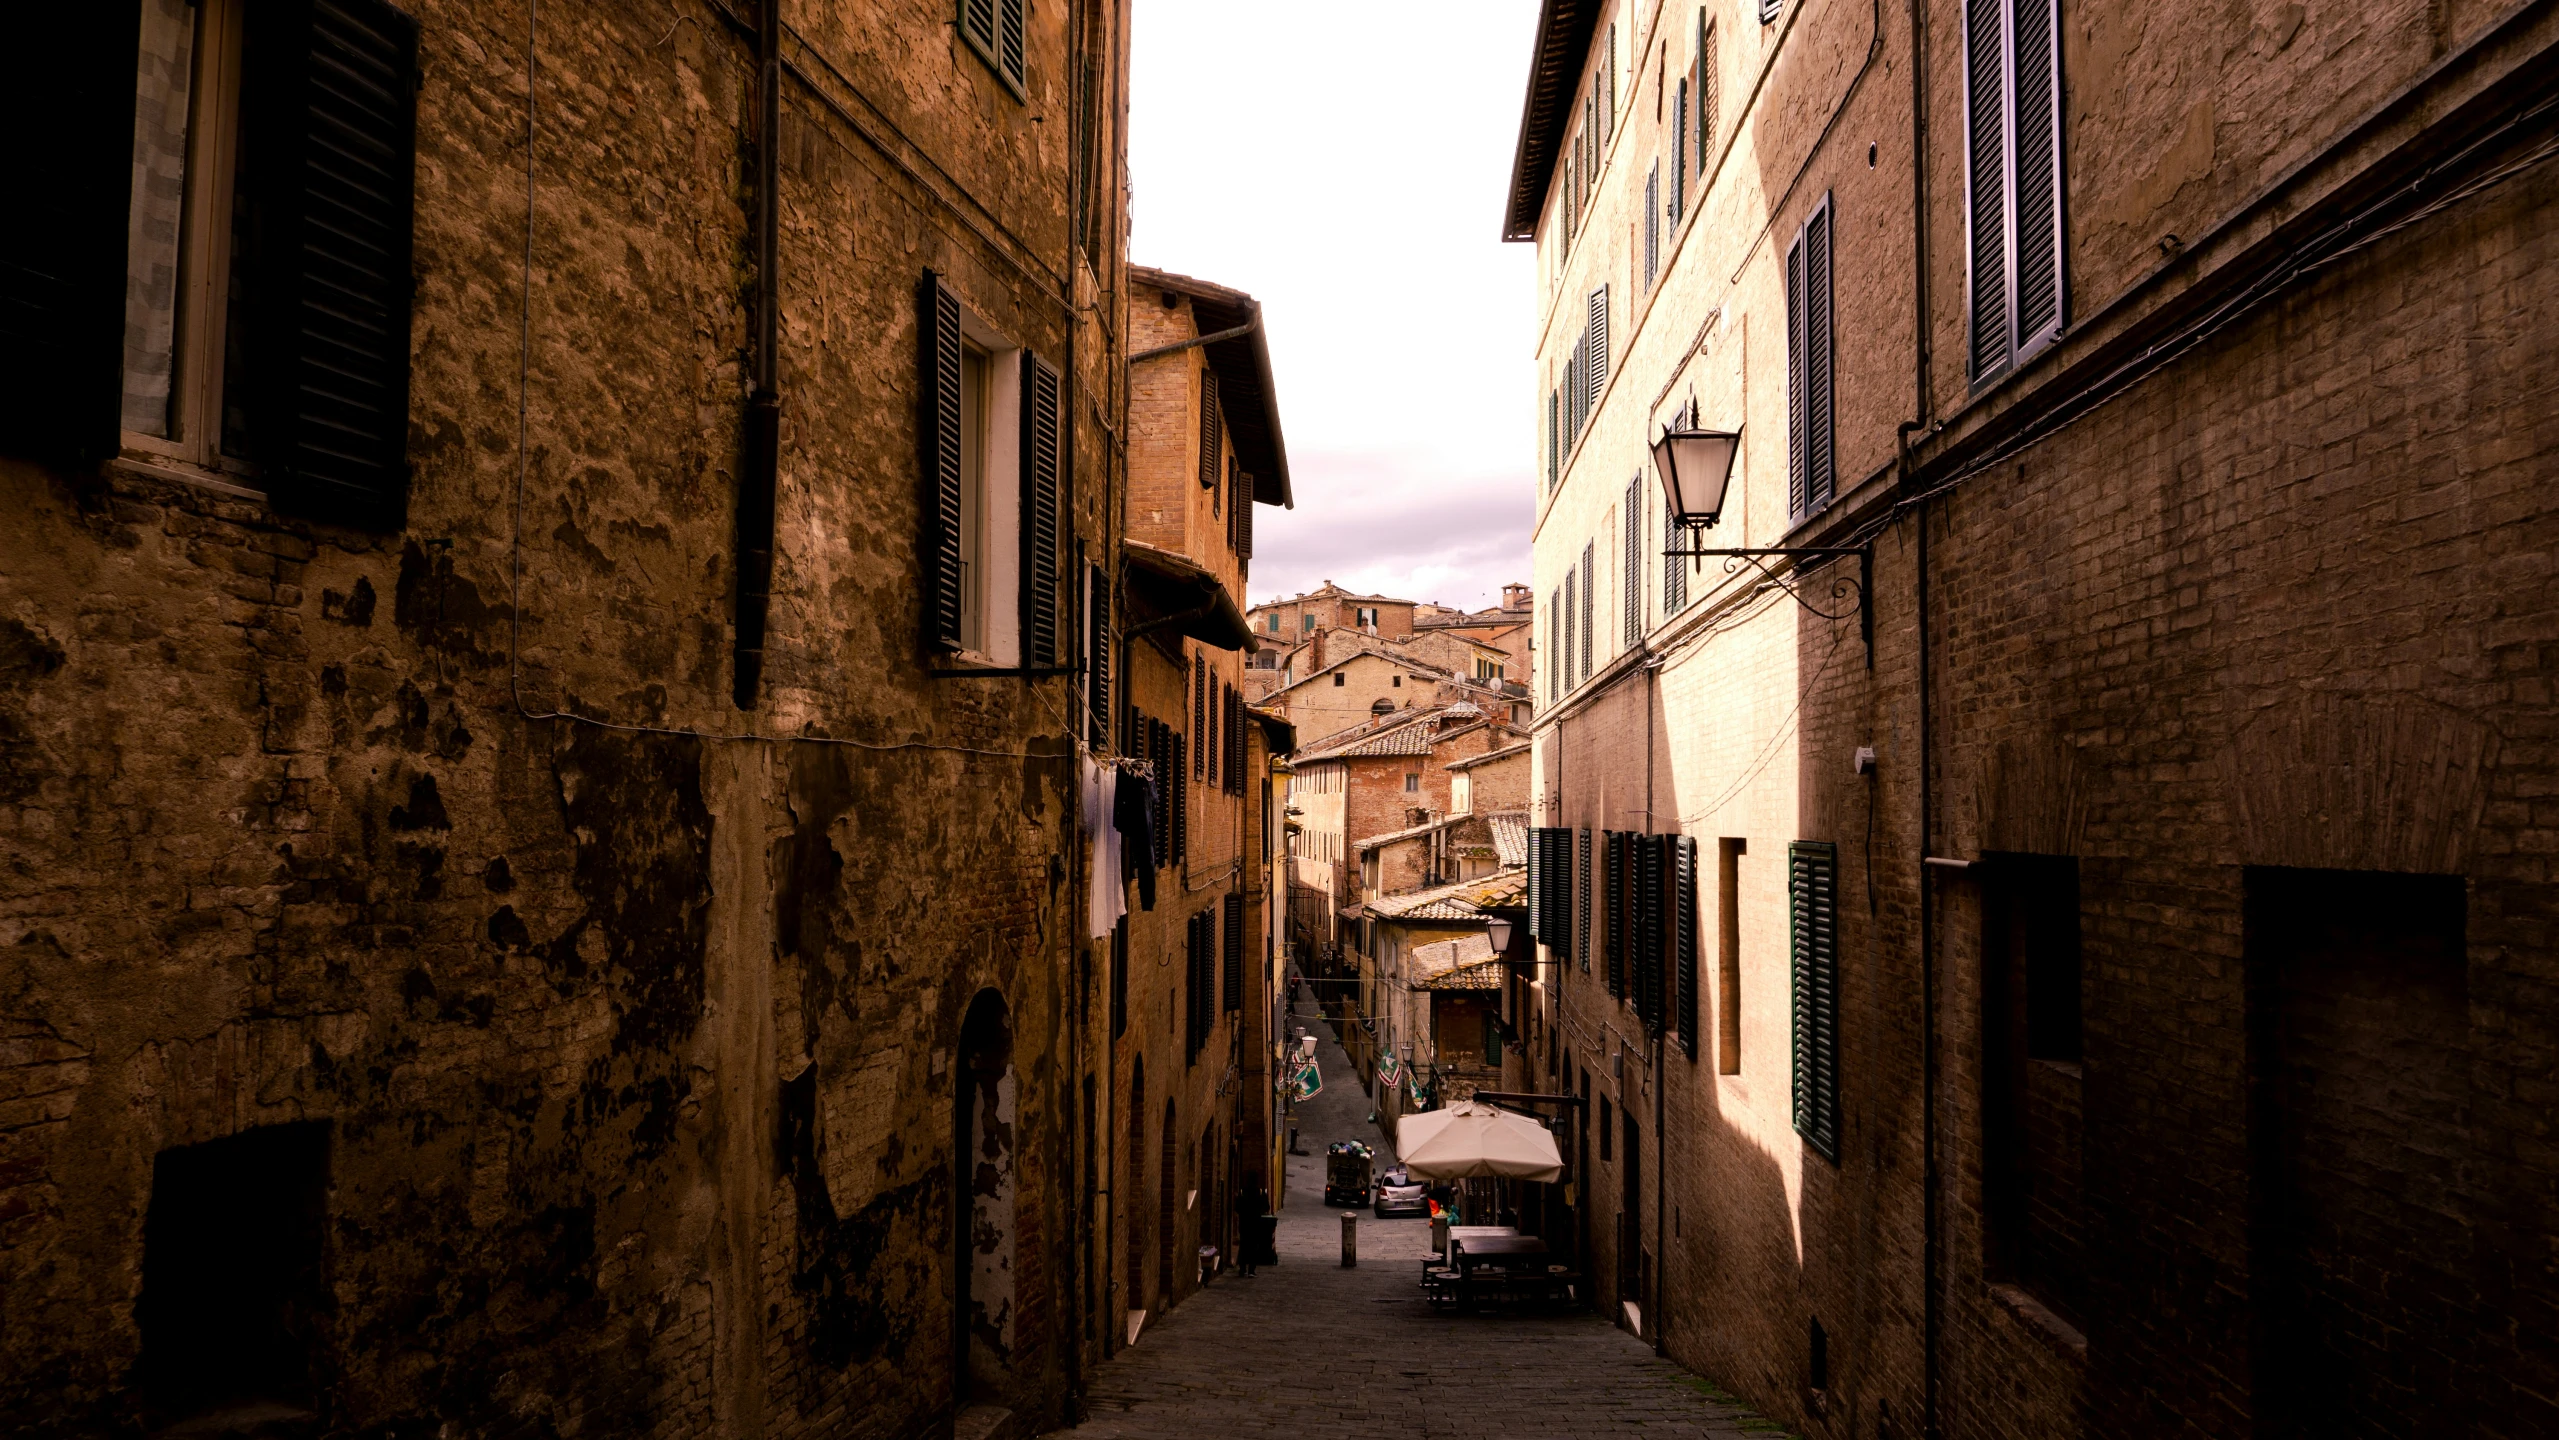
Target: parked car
pixel 1398 1193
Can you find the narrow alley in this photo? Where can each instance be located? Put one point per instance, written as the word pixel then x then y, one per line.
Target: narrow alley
pixel 1353 1354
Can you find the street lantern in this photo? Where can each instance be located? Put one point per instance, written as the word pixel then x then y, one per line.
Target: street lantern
pixel 1498 929
pixel 1696 467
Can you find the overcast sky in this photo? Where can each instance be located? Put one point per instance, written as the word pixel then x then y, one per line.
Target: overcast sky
pixel 1346 164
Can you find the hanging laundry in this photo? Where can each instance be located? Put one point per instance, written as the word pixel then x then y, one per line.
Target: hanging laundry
pixel 1135 818
pixel 1109 900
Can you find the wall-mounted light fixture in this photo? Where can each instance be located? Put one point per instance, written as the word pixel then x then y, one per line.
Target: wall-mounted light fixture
pixel 1696 469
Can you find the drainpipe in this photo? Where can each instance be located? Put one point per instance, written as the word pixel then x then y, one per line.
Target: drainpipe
pixel 761 451
pixel 1661 1078
pixel 1923 408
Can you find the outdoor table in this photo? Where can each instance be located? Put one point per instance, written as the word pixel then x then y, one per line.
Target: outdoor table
pixel 1500 1252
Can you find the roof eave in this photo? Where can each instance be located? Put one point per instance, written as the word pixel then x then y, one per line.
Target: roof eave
pixel 1564 31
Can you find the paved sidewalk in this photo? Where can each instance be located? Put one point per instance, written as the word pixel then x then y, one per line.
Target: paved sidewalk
pixel 1311 1351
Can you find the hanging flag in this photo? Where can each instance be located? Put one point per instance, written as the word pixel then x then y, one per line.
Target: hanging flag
pixel 1310 1082
pixel 1390 1071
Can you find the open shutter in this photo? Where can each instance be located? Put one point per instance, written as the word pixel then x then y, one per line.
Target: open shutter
pixel 1650 877
pixel 1210 431
pixel 66 108
pixel 1821 468
pixel 1986 182
pixel 1684 942
pixel 1041 500
pixel 1590 595
pixel 977 17
pixel 1010 53
pixel 1813 889
pixel 941 354
pixel 1613 926
pixel 1244 518
pixel 1679 156
pixel 1536 883
pixel 331 89
pixel 1097 654
pixel 1181 803
pixel 1581 897
pixel 1797 441
pixel 1234 953
pixel 1634 579
pixel 2035 64
pixel 1709 84
pixel 1769 10
pixel 1652 224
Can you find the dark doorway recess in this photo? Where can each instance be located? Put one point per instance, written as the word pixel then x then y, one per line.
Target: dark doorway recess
pixel 2033 1214
pixel 234 1278
pixel 982 1205
pixel 2362 1265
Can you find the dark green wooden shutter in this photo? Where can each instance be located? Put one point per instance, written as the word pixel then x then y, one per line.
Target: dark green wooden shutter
pixel 1244 518
pixel 1581 897
pixel 1233 955
pixel 1986 182
pixel 330 134
pixel 1536 882
pixel 1651 855
pixel 1798 441
pixel 1590 598
pixel 1633 587
pixel 1042 499
pixel 1684 942
pixel 66 163
pixel 1813 891
pixel 1674 569
pixel 1652 224
pixel 942 441
pixel 1679 157
pixel 1617 885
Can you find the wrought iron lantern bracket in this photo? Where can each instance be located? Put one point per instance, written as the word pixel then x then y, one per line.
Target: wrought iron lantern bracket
pixel 1840 587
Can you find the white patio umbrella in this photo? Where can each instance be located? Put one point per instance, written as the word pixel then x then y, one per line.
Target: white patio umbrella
pixel 1468 1141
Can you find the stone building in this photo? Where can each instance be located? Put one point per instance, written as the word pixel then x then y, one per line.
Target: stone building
pixel 1510 627
pixel 2078 955
pixel 1193 973
pixel 1298 616
pixel 543 624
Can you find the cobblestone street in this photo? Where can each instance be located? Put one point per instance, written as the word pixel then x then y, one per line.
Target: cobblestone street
pixel 1308 1349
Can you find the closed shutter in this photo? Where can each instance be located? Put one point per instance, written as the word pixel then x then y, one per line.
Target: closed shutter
pixel 1041 503
pixel 1097 655
pixel 1555 651
pixel 1233 954
pixel 1796 408
pixel 1769 10
pixel 1684 942
pixel 1598 380
pixel 1554 441
pixel 66 110
pixel 1819 369
pixel 1181 802
pixel 1581 897
pixel 942 441
pixel 1212 455
pixel 1564 651
pixel 1244 518
pixel 1986 182
pixel 1199 713
pixel 332 192
pixel 1234 743
pixel 977 17
pixel 2035 51
pixel 1608 90
pixel 1813 890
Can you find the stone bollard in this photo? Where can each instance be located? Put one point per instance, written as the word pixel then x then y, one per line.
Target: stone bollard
pixel 1350 1239
pixel 1439 1236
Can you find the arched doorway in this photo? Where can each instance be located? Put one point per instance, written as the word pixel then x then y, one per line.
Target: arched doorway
pixel 983 1222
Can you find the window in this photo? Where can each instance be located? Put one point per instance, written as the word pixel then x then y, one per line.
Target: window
pixel 1339 678
pixel 208 287
pixel 1412 783
pixel 1097 650
pixel 1728 954
pixel 1813 893
pixel 1461 794
pixel 1305 623
pixel 1119 977
pixel 991 453
pixel 1231 955
pixel 1212 435
pixel 1396 682
pixel 2012 178
pixel 994 30
pixel 1367 617
pixel 1809 460
pixel 1607 1131
pixel 1595 349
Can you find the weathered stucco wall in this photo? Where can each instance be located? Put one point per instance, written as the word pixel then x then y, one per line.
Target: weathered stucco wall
pixel 637 1050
